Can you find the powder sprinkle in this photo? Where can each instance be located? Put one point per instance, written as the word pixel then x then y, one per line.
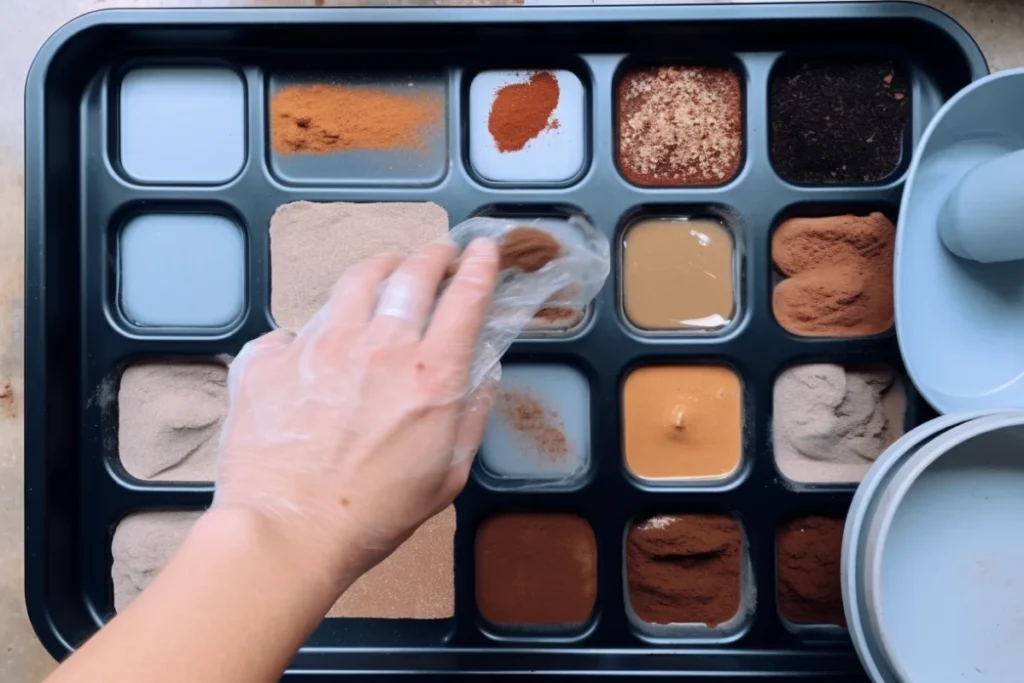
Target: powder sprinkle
pixel 522 111
pixel 542 428
pixel 323 118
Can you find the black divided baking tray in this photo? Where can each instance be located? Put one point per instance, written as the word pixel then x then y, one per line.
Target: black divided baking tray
pixel 77 342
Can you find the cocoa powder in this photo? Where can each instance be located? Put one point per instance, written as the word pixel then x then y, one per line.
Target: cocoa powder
pixel 532 421
pixel 321 118
pixel 683 569
pixel 536 568
pixel 521 111
pixel 528 249
pixel 809 551
pixel 839 275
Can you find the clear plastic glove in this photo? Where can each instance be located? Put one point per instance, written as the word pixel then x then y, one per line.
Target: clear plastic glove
pixel 351 433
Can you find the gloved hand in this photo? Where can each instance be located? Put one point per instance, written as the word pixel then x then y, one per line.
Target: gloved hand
pixel 351 433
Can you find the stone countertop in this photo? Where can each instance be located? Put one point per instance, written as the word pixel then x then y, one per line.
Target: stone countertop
pixel 997 25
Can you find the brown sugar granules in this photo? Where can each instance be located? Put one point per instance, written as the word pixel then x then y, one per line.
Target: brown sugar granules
pixel 685 569
pixel 319 118
pixel 680 125
pixel 809 551
pixel 532 421
pixel 521 111
pixel 528 249
pixel 839 275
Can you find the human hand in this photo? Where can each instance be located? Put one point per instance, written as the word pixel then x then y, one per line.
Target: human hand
pixel 351 433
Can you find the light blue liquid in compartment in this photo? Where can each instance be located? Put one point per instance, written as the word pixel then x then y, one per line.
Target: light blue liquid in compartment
pixel 181 270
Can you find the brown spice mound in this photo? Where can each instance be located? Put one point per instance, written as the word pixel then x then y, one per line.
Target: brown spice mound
pixel 528 249
pixel 809 551
pixel 680 125
pixel 316 119
pixel 528 416
pixel 685 569
pixel 521 111
pixel 839 272
pixel 554 315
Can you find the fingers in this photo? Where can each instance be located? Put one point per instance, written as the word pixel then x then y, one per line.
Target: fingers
pixel 408 296
pixel 459 317
pixel 354 296
pixel 476 408
pixel 269 342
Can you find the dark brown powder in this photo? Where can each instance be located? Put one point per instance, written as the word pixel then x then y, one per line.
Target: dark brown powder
pixel 321 118
pixel 809 551
pixel 839 271
pixel 684 569
pixel 680 125
pixel 534 423
pixel 536 568
pixel 521 111
pixel 528 249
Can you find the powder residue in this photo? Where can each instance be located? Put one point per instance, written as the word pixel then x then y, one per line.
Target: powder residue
pixel 839 275
pixel 685 569
pixel 533 422
pixel 528 249
pixel 521 111
pixel 831 422
pixel 169 419
pixel 311 245
pixel 417 581
pixel 321 118
pixel 680 125
pixel 809 552
pixel 536 568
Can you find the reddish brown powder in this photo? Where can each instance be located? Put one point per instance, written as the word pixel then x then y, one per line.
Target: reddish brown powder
pixel 685 569
pixel 521 111
pixel 554 315
pixel 809 551
pixel 534 423
pixel 536 568
pixel 319 118
pixel 839 271
pixel 528 249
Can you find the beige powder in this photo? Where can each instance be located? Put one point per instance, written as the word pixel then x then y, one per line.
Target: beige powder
pixel 311 245
pixel 169 419
pixel 831 422
pixel 415 582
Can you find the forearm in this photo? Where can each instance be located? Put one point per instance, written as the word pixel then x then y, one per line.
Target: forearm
pixel 234 605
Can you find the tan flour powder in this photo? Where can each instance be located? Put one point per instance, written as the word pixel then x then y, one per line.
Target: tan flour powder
pixel 831 422
pixel 169 419
pixel 416 582
pixel 311 245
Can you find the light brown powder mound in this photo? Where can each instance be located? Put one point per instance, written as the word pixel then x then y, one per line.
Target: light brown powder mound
pixel 528 249
pixel 311 245
pixel 322 118
pixel 803 244
pixel 169 419
pixel 416 582
pixel 832 422
pixel 143 544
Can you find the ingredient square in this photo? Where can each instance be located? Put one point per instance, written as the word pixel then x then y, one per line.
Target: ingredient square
pixel 311 245
pixel 359 128
pixel 536 568
pixel 809 552
pixel 169 419
pixel 540 425
pixel 685 569
pixel 838 275
pixel 182 270
pixel 678 274
pixel 527 126
pixel 837 122
pixel 680 125
pixel 182 125
pixel 682 422
pixel 830 423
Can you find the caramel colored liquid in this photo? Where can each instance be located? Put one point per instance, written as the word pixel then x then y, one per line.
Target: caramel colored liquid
pixel 682 422
pixel 678 274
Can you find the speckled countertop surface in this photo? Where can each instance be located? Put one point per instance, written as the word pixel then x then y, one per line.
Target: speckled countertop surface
pixel 997 25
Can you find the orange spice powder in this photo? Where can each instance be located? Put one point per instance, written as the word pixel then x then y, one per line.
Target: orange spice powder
pixel 319 118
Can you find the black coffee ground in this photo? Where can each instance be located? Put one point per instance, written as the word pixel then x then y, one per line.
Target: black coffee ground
pixel 837 122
